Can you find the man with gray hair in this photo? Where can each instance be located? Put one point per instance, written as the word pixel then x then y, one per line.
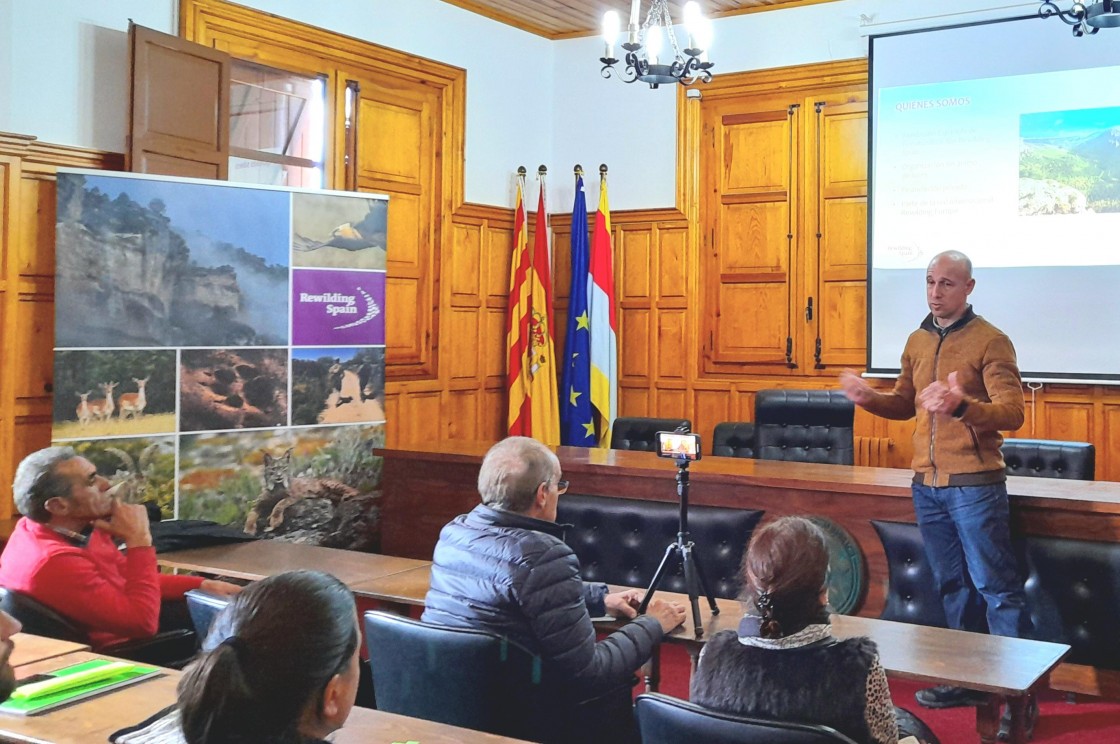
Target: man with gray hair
pixel 64 554
pixel 505 568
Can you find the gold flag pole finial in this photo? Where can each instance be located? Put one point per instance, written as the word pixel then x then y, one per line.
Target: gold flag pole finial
pixel 578 170
pixel 602 170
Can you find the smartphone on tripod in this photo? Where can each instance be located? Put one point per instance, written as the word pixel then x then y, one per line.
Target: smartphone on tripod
pixel 678 445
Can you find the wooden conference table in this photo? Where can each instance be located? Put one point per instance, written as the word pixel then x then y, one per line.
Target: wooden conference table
pixel 1004 667
pixel 29 648
pixel 92 720
pixel 260 558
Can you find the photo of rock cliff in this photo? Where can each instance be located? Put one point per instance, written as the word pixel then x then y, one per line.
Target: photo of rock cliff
pixel 1069 161
pixel 143 262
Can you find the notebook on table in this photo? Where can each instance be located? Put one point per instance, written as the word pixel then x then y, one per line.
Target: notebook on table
pixel 44 692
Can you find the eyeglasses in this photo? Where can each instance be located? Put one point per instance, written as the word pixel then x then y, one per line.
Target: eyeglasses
pixel 562 486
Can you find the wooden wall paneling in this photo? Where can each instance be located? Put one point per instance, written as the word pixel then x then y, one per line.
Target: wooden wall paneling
pixel 27 214
pixel 710 407
pixel 635 400
pixel 673 401
pixel 835 230
pixel 749 168
pixel 1108 443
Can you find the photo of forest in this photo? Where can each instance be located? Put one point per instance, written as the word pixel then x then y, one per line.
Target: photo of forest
pixel 148 262
pixel 1069 161
pixel 319 486
pixel 335 386
pixel 113 393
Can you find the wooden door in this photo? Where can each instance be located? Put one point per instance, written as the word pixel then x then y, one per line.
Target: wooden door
pixel 750 171
pixel 397 129
pixel 178 106
pixel 835 232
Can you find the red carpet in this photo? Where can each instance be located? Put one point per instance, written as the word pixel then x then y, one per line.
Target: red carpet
pixel 1095 722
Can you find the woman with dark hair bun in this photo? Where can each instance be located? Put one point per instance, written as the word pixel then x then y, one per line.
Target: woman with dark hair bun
pixel 784 664
pixel 281 665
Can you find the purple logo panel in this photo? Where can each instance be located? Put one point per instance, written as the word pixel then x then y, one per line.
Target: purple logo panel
pixel 335 308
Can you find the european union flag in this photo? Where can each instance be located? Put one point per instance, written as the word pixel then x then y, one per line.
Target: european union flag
pixel 576 424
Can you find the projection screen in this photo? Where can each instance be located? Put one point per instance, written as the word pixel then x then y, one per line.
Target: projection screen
pixel 1001 140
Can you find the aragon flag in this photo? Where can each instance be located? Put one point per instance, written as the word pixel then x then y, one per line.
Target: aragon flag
pixel 542 353
pixel 604 322
pixel 519 411
pixel 576 424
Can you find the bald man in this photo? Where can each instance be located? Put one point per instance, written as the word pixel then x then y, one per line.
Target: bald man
pixel 960 380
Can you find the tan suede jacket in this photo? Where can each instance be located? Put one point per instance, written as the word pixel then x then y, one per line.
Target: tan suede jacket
pixel 959 450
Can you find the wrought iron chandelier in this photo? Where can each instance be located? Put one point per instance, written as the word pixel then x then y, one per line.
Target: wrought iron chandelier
pixel 646 59
pixel 1085 19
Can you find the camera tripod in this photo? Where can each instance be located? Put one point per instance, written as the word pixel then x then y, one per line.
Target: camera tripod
pixel 683 547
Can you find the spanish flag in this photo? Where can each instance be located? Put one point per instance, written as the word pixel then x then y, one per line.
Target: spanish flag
pixel 542 351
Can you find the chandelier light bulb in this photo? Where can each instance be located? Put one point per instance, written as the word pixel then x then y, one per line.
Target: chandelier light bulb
pixel 653 43
pixel 611 27
pixel 692 21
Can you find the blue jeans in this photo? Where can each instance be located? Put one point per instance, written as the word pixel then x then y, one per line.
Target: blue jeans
pixel 967 534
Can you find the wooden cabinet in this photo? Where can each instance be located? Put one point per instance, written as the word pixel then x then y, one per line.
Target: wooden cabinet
pixel 783 202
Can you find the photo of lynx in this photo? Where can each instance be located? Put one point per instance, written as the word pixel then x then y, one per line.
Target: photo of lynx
pixel 281 490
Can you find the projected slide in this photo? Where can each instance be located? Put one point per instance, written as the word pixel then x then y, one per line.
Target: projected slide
pixel 1022 173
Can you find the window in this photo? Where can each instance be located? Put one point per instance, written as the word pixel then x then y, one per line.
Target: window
pixel 277 127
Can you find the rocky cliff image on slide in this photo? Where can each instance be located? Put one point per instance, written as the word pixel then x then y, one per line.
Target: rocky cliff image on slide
pixel 126 276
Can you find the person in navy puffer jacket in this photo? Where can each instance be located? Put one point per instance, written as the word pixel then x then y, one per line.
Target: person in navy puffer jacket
pixel 505 568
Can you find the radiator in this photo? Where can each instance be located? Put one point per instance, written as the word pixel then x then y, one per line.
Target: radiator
pixel 873 452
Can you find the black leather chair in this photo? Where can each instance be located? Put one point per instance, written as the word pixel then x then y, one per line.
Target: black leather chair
pixel 462 677
pixel 169 648
pixel 1045 458
pixel 622 541
pixel 1073 592
pixel 911 596
pixel 667 720
pixel 804 426
pixel 203 608
pixel 733 439
pixel 637 433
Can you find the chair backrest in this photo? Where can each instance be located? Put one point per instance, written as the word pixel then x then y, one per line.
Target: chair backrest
pixel 804 426
pixel 1046 458
pixel 38 619
pixel 666 720
pixel 621 541
pixel 203 608
pixel 458 676
pixel 733 439
pixel 1073 593
pixel 637 433
pixel 911 596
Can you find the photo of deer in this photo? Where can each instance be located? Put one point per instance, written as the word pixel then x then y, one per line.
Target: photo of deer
pixel 338 386
pixel 339 232
pixel 140 469
pixel 113 393
pixel 233 389
pixel 318 486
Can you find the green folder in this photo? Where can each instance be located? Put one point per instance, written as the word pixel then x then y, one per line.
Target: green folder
pixel 73 683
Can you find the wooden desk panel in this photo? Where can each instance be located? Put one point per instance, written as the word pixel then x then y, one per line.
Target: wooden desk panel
pixel 94 719
pixel 404 588
pixel 258 559
pixel 426 486
pixel 32 648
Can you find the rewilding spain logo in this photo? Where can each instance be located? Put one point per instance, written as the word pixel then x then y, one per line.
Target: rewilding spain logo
pixel 331 308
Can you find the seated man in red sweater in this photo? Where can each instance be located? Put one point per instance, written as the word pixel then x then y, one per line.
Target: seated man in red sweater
pixel 64 551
